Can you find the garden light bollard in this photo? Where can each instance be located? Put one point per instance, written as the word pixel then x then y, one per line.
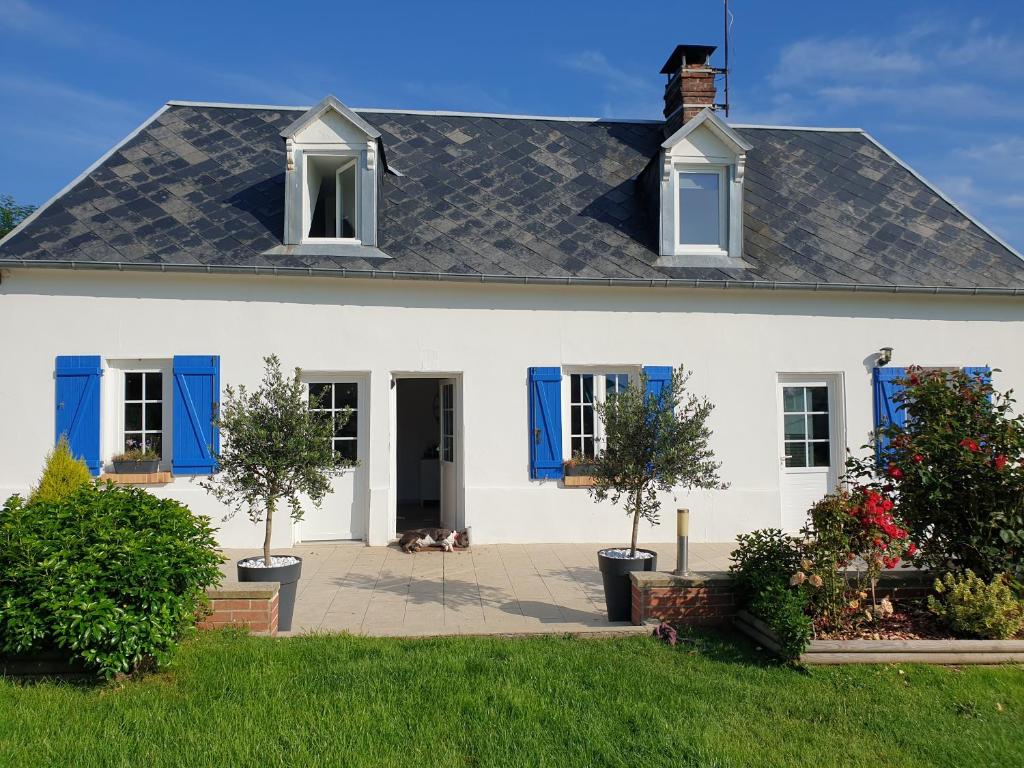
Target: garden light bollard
pixel 682 542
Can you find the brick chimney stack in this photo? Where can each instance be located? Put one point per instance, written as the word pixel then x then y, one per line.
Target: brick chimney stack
pixel 691 84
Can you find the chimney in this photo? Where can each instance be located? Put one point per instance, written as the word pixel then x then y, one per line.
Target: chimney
pixel 691 84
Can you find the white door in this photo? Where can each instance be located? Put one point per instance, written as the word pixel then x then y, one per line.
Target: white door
pixel 809 458
pixel 342 515
pixel 449 450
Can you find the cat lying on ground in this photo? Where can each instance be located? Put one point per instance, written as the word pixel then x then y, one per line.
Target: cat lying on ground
pixel 420 538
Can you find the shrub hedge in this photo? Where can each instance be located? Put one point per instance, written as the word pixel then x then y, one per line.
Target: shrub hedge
pixel 112 576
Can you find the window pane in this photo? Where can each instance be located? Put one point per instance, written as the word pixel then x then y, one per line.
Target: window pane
pixel 133 386
pixel 793 399
pixel 699 214
pixel 347 449
pixel 154 415
pixel 576 420
pixel 577 446
pixel 448 451
pixel 588 388
pixel 345 395
pixel 820 454
pixel 347 201
pixel 346 429
pixel 588 421
pixel 796 454
pixel 588 446
pixel 133 441
pixel 818 398
pixel 819 426
pixel 319 395
pixel 133 416
pixel 154 390
pixel 795 427
pixel 574 388
pixel 154 442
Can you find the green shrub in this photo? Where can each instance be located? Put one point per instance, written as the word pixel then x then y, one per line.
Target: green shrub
pixel 972 607
pixel 783 610
pixel 113 576
pixel 764 558
pixel 63 474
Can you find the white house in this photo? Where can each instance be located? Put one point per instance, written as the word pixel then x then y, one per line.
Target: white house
pixel 470 284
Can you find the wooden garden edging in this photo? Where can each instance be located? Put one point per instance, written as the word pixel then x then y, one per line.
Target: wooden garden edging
pixel 889 651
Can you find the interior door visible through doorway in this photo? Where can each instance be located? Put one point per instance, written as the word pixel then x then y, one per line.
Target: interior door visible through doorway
pixel 810 444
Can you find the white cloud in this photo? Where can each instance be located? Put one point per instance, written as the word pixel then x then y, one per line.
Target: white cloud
pixel 626 95
pixel 840 59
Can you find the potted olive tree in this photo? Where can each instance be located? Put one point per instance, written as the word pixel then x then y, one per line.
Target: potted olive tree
pixel 276 451
pixel 654 443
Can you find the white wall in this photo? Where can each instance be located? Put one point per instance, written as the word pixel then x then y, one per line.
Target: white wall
pixel 736 342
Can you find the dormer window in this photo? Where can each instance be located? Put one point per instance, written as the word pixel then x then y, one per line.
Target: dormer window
pixel 702 195
pixel 331 159
pixel 332 184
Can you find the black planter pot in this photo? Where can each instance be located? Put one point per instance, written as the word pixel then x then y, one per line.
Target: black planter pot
pixel 287 576
pixel 618 592
pixel 136 467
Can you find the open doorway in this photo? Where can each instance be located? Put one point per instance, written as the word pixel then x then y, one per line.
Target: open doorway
pixel 418 453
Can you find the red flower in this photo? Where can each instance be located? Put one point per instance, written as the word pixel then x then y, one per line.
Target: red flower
pixel 895 472
pixel 912 549
pixel 999 461
pixel 969 444
pixel 918 458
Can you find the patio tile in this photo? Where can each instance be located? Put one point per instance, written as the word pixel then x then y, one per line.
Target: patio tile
pixel 494 588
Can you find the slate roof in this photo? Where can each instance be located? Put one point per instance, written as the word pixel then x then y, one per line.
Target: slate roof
pixel 201 187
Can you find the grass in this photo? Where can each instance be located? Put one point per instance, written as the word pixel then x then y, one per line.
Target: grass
pixel 234 700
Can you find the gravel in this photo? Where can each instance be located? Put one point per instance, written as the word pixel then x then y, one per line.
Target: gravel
pixel 623 554
pixel 275 561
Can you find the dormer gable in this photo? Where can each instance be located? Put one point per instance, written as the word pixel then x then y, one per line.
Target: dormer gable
pixel 331 176
pixel 702 169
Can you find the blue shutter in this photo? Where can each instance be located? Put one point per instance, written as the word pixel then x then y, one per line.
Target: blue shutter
pixel 983 373
pixel 886 409
pixel 659 379
pixel 545 423
pixel 78 406
pixel 196 396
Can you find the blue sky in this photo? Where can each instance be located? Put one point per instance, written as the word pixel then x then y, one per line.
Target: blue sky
pixel 939 83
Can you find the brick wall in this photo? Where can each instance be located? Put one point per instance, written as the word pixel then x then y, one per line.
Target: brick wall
pixel 707 599
pixel 694 600
pixel 256 608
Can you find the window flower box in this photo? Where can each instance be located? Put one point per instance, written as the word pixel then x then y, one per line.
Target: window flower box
pixel 578 474
pixel 136 463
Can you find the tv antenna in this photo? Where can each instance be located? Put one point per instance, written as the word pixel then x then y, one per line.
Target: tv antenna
pixel 727 20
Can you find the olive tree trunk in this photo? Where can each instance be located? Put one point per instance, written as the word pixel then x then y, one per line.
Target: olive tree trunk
pixel 266 535
pixel 636 523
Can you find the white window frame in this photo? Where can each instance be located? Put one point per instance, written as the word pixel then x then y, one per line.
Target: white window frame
pixel 703 249
pixel 112 413
pixel 354 418
pixel 599 372
pixel 355 158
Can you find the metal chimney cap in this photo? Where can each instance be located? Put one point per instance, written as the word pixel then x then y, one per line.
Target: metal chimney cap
pixel 692 54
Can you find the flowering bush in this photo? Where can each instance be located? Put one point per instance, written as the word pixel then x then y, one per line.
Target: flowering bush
pixel 843 527
pixel 956 472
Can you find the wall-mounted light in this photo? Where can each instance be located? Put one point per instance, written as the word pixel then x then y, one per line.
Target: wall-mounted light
pixel 884 356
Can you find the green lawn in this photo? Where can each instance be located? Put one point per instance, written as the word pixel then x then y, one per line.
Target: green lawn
pixel 233 700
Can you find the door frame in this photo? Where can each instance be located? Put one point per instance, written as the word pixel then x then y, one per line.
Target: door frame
pixel 460 445
pixel 834 380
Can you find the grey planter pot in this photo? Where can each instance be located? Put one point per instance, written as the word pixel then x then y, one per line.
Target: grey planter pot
pixel 618 592
pixel 136 467
pixel 287 576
